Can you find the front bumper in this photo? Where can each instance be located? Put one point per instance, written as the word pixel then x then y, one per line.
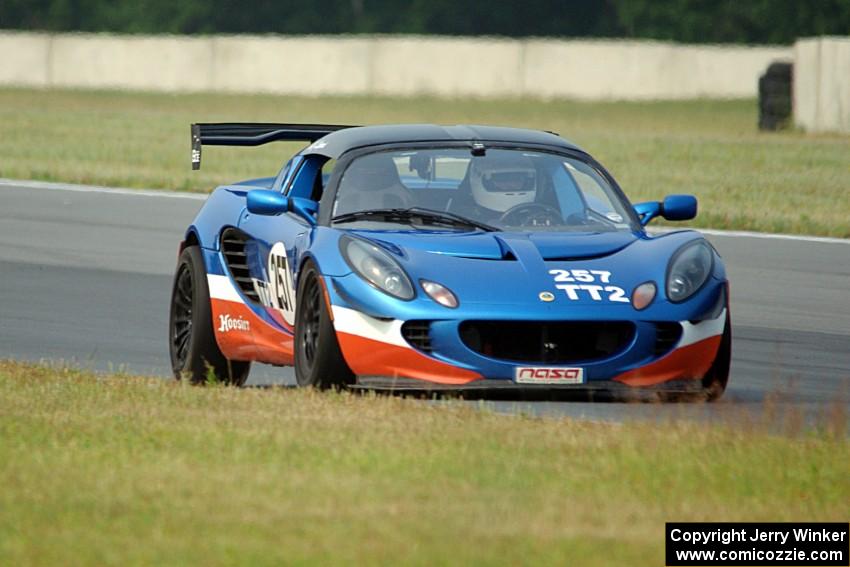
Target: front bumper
pixel 377 352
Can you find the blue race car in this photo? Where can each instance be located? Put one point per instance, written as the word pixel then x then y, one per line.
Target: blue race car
pixel 445 258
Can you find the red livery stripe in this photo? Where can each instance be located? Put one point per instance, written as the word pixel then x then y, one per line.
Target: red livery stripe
pixel 368 357
pixel 262 341
pixel 691 361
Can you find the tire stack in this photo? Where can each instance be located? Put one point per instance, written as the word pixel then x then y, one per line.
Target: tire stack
pixel 775 96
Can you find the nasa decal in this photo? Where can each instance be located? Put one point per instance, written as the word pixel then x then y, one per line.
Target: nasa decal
pixel 592 284
pixel 281 291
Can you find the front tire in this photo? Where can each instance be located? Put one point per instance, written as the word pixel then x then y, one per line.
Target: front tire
pixel 318 359
pixel 715 381
pixel 194 351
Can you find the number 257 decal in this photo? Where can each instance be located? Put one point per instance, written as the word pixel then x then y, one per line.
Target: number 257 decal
pixel 577 284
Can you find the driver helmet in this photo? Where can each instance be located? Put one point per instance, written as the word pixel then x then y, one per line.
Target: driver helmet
pixel 500 182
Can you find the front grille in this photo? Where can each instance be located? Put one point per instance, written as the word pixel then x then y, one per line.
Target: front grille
pixel 233 243
pixel 547 342
pixel 418 334
pixel 666 337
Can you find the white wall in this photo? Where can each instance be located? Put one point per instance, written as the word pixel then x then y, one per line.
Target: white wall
pixel 288 65
pixel 386 65
pixel 644 69
pixel 25 59
pixel 136 63
pixel 822 84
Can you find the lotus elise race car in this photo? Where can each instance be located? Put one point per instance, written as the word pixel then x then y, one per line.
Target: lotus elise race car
pixel 449 258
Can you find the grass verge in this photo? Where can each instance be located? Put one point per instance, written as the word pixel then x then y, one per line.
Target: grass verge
pixel 113 470
pixel 778 182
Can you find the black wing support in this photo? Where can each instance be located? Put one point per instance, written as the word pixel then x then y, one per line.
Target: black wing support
pixel 249 134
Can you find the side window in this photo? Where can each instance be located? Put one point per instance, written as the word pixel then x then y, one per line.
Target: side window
pixel 322 179
pixel 450 169
pixel 425 169
pixel 282 175
pixel 307 180
pixel 567 192
pixel 595 195
pixel 405 172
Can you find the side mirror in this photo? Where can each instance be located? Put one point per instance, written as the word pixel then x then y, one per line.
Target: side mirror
pixel 270 203
pixel 679 207
pixel 265 202
pixel 673 208
pixel 307 209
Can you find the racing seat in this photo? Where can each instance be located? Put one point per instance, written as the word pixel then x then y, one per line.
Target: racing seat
pixel 372 182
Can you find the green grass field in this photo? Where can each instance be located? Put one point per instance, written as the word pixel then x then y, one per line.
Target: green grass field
pixel 778 182
pixel 118 470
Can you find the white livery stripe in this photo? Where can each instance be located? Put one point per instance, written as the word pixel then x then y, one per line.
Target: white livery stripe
pixel 222 288
pixel 694 333
pixel 356 323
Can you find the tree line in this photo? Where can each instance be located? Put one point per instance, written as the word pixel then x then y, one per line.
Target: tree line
pixel 695 21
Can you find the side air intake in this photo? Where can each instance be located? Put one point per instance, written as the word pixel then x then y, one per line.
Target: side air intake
pixel 418 334
pixel 666 337
pixel 233 243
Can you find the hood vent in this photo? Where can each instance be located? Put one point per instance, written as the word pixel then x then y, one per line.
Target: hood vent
pixel 233 242
pixel 504 254
pixel 507 257
pixel 577 258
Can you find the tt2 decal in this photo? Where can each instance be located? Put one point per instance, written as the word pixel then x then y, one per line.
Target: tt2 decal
pixel 579 284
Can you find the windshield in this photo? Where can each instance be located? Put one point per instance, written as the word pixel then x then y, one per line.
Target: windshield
pixel 503 189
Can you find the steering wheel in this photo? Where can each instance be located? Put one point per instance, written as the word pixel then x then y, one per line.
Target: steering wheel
pixel 531 214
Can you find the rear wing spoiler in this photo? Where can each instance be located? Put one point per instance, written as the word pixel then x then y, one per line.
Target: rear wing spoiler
pixel 251 134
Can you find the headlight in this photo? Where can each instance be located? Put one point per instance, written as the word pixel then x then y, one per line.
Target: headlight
pixel 376 267
pixel 689 269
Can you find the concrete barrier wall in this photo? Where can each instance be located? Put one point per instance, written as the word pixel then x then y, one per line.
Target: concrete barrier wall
pixel 447 67
pixel 386 65
pixel 645 69
pixel 25 59
pixel 289 65
pixel 822 84
pixel 136 63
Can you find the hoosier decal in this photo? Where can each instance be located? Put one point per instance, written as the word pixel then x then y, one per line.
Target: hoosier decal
pixel 227 323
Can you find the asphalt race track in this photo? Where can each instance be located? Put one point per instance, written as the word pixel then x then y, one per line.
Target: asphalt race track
pixel 85 277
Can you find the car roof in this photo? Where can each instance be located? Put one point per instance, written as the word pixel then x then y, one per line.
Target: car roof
pixel 337 143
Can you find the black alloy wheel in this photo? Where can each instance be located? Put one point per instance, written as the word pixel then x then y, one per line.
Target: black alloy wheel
pixel 181 316
pixel 192 344
pixel 318 358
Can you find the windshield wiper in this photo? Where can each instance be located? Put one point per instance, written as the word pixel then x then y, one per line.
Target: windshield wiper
pixel 414 213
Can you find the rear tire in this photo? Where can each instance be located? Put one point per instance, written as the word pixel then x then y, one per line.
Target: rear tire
pixel 318 358
pixel 194 350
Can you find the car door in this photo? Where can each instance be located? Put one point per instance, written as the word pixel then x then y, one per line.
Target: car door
pixel 274 247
